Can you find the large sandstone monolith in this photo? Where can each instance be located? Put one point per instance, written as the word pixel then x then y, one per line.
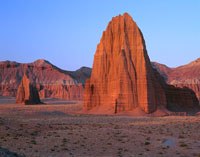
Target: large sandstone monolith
pixel 27 93
pixel 122 77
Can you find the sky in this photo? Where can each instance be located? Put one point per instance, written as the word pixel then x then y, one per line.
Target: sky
pixel 66 32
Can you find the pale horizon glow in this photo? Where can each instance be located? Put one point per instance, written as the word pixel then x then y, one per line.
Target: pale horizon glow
pixel 66 33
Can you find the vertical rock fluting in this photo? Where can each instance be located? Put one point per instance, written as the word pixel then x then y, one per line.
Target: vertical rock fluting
pixel 27 93
pixel 122 78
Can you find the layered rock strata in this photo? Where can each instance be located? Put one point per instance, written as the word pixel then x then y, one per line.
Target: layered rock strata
pixel 50 81
pixel 183 76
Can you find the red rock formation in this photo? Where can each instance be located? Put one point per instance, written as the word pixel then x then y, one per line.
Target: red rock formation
pixel 179 99
pixel 73 92
pixel 122 77
pixel 27 93
pixel 9 79
pixel 183 76
pixel 162 69
pixel 51 81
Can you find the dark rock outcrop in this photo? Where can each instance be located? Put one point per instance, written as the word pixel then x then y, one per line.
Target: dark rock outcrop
pixel 182 76
pixel 178 99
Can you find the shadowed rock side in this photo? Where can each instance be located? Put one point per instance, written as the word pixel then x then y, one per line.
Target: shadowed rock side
pixel 179 99
pixel 182 76
pixel 50 81
pixel 27 93
pixel 122 78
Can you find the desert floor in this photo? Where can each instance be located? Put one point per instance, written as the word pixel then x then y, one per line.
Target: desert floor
pixel 54 129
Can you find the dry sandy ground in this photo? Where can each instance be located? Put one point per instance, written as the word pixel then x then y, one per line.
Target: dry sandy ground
pixel 54 130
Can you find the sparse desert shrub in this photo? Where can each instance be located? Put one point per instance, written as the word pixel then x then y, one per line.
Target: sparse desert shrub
pixel 181 136
pixel 109 143
pixel 183 145
pixel 147 143
pixel 33 142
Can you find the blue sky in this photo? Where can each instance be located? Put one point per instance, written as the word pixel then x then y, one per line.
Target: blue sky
pixel 66 32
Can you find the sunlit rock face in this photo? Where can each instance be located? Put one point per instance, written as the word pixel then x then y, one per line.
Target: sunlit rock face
pixel 27 93
pixel 122 77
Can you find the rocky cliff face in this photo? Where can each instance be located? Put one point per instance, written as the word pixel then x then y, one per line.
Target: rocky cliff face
pixel 183 76
pixel 50 80
pixel 179 99
pixel 122 77
pixel 27 93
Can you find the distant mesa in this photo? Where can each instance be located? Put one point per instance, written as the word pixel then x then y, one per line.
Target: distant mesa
pixel 27 93
pixel 51 81
pixel 122 77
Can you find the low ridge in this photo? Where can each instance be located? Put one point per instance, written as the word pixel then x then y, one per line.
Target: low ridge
pixel 51 81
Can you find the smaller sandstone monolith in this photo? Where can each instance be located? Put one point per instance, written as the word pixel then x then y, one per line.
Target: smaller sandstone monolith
pixel 27 93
